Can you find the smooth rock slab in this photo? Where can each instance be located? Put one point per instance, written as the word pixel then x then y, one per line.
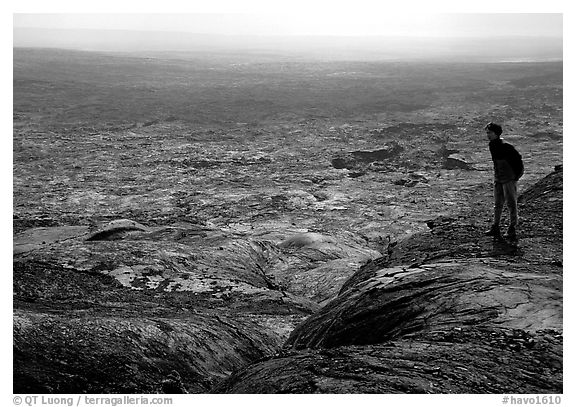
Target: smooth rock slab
pixel 108 231
pixel 37 238
pixel 400 301
pixel 316 266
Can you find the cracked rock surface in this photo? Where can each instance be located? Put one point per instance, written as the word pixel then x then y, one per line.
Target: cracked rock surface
pixel 447 311
pixel 180 228
pixel 456 360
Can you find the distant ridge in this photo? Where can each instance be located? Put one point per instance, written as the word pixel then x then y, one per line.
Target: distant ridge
pixel 325 47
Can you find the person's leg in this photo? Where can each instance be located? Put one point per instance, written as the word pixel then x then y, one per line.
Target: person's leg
pixel 511 197
pixel 498 207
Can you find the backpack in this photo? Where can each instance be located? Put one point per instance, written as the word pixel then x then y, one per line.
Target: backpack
pixel 514 158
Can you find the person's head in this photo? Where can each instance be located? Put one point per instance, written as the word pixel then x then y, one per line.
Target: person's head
pixel 493 131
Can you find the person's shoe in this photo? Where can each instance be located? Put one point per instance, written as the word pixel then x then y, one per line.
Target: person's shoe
pixel 511 233
pixel 493 231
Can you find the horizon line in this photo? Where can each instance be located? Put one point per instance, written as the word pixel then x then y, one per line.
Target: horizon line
pixel 285 35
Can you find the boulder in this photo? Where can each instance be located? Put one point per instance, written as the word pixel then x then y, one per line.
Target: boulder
pixel 361 158
pixel 456 162
pixel 115 227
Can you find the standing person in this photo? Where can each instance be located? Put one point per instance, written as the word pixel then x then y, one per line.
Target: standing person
pixel 508 168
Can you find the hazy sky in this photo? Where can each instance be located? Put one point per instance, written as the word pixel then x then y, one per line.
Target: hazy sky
pixel 313 21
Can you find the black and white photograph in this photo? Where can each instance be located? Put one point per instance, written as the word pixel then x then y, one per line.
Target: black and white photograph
pixel 323 198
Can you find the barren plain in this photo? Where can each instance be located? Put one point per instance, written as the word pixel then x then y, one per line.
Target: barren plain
pixel 216 222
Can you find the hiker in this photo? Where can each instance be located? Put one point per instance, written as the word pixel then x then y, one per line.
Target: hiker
pixel 508 168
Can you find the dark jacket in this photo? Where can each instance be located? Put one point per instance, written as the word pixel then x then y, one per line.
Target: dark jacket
pixel 508 165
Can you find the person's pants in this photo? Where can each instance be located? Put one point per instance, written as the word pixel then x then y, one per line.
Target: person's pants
pixel 506 192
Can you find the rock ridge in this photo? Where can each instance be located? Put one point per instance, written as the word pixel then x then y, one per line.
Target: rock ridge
pixel 447 310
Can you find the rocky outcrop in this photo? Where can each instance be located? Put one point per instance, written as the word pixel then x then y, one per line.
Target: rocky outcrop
pixel 128 298
pixel 461 236
pixel 458 360
pixel 129 350
pixel 412 180
pixel 114 228
pixel 315 266
pixel 86 330
pixel 456 162
pixel 437 296
pixel 170 234
pixel 452 159
pixel 359 159
pixel 449 310
pixel 141 302
pixel 196 308
pixel 541 208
